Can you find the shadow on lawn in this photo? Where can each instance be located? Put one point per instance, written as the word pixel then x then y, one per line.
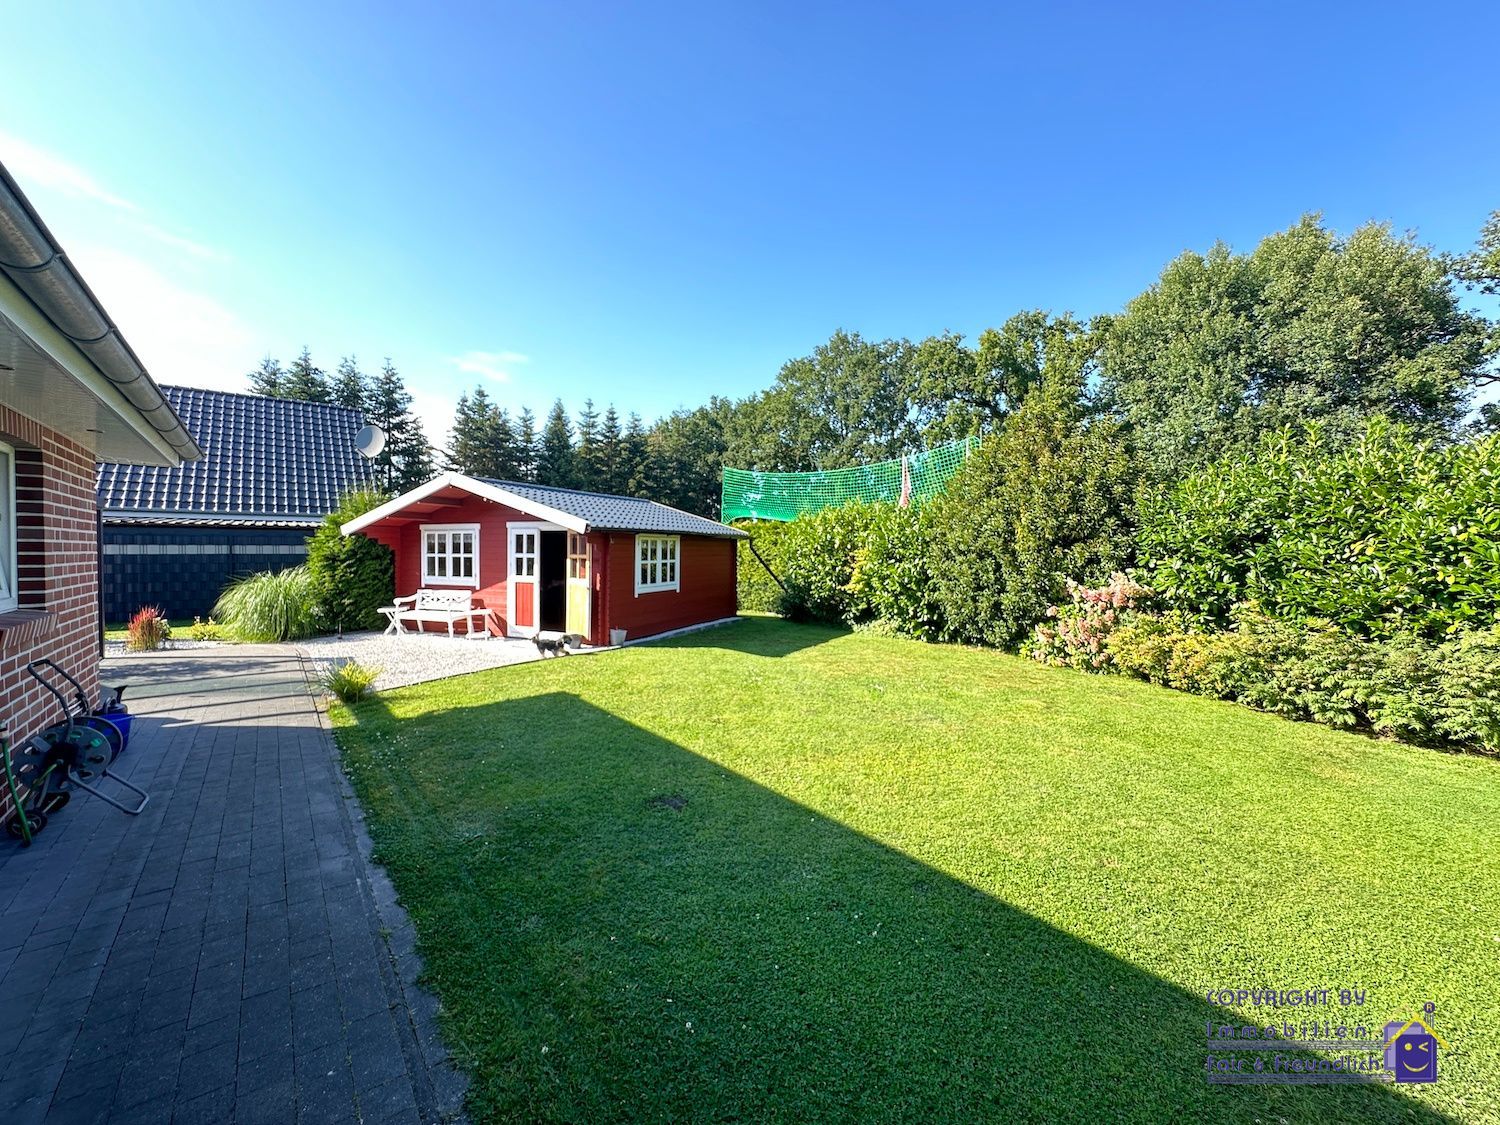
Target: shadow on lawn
pixel 619 928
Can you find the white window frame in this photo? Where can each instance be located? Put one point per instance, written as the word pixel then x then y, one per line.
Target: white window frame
pixel 10 577
pixel 448 530
pixel 655 561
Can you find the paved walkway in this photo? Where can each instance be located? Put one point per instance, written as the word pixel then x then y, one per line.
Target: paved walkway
pixel 230 954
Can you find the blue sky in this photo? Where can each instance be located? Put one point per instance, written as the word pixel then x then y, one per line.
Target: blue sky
pixel 648 204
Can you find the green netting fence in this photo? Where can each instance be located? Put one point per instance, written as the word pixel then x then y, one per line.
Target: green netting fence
pixel 785 496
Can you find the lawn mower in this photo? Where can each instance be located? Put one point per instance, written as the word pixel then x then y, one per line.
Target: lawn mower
pixel 73 754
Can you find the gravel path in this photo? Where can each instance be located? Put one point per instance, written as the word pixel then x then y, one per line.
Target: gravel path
pixel 113 649
pixel 416 659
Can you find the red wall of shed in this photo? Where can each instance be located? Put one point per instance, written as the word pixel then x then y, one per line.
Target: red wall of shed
pixel 707 587
pixel 707 590
pixel 405 539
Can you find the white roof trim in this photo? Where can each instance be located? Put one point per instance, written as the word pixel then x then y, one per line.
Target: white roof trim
pixel 470 485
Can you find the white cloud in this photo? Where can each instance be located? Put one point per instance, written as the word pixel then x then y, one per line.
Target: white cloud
pixel 186 245
pixel 435 412
pixel 181 334
pixel 489 365
pixel 37 166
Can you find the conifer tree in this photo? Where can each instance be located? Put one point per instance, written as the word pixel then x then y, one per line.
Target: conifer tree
pixel 461 454
pixel 611 461
pixel 635 456
pixel 586 460
pixel 267 378
pixel 555 459
pixel 526 444
pixel 406 460
pixel 305 381
pixel 348 386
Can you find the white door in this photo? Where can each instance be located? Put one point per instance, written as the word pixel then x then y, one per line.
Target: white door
pixel 524 603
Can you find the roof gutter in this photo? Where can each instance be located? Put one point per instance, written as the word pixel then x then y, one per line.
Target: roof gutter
pixel 32 259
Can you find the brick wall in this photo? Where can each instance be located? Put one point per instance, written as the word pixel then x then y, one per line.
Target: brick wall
pixel 57 571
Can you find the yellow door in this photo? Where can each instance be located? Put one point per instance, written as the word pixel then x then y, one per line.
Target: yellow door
pixel 578 585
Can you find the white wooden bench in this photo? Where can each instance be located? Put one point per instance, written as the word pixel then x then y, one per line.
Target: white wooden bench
pixel 442 607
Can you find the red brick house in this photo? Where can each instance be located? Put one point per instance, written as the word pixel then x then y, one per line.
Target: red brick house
pixel 544 559
pixel 72 393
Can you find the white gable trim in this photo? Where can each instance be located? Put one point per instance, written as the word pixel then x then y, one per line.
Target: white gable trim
pixel 472 486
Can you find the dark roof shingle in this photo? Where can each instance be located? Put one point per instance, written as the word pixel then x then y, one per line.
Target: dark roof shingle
pixel 607 512
pixel 265 458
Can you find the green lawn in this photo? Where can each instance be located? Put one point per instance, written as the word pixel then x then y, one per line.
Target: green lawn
pixel 777 872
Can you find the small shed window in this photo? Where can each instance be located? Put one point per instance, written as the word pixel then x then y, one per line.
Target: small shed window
pixel 450 554
pixel 578 555
pixel 656 563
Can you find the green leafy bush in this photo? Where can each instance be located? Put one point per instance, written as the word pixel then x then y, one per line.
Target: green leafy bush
pixel 1047 498
pixel 890 582
pixel 351 576
pixel 348 680
pixel 147 630
pixel 271 606
pixel 817 563
pixel 1405 687
pixel 1383 536
pixel 857 564
pixel 758 591
pixel 209 630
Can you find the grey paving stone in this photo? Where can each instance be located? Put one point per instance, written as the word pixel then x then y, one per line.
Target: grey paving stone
pixel 390 1102
pixel 215 959
pixel 275 1104
pixel 142 1113
pixel 145 1081
pixel 208 1070
pixel 213 1107
pixel 161 1008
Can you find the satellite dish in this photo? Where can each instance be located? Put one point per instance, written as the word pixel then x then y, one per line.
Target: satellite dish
pixel 370 441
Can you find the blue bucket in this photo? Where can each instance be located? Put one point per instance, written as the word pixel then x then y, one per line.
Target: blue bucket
pixel 118 715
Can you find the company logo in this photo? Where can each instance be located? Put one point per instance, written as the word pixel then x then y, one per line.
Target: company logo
pixel 1411 1050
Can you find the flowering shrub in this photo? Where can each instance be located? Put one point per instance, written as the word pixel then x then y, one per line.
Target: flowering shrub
pixel 1075 635
pixel 147 631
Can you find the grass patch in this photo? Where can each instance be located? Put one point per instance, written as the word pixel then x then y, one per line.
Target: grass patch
pixel 179 625
pixel 781 872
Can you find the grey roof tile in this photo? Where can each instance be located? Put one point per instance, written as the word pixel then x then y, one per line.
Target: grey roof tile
pixel 265 459
pixel 605 511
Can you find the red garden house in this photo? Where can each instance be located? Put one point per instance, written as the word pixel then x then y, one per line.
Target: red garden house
pixel 541 559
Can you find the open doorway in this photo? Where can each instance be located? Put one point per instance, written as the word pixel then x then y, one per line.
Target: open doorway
pixel 553 581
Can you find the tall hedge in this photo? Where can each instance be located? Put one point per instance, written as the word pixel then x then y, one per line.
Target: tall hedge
pixel 351 576
pixel 856 564
pixel 1046 499
pixel 1388 535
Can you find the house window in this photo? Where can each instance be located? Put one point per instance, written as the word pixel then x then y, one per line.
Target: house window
pixel 656 563
pixel 578 555
pixel 450 554
pixel 8 598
